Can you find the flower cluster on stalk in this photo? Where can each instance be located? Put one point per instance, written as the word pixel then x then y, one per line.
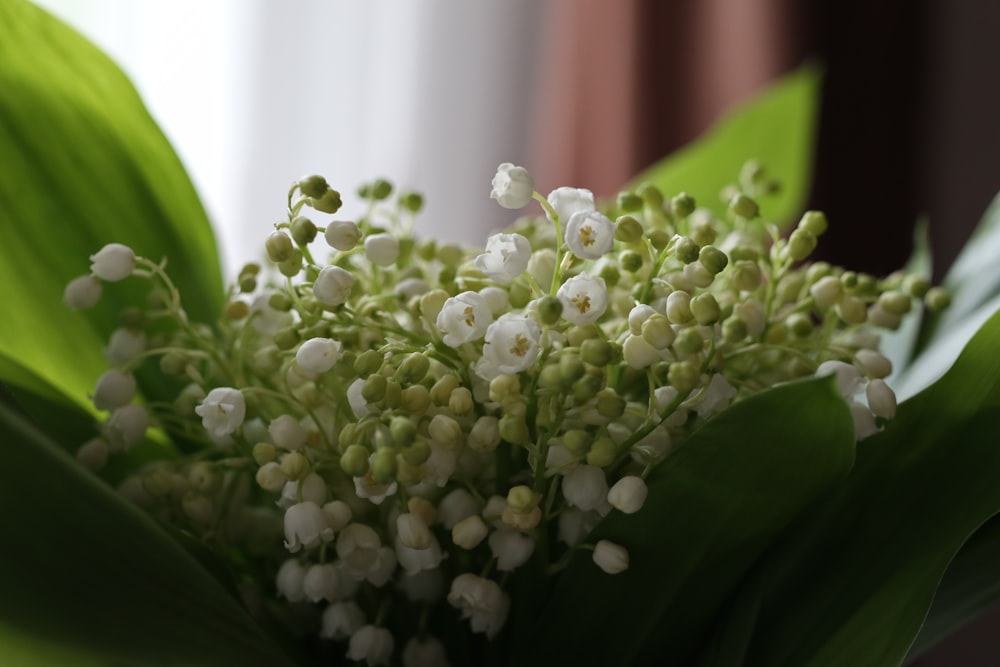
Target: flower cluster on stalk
pixel 380 425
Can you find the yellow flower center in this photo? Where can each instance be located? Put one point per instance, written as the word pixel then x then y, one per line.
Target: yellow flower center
pixel 521 345
pixel 587 235
pixel 582 303
pixel 470 317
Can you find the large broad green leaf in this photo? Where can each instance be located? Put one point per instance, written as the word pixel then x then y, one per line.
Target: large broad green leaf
pixel 82 164
pixel 851 583
pixel 777 128
pixel 713 507
pixel 87 579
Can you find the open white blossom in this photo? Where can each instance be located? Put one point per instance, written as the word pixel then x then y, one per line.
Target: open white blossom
pixel 480 600
pixel 416 560
pixel 567 201
pixel 305 526
pixel 333 286
pixel 589 234
pixel 464 318
pixel 321 582
pixel 82 292
pixel 512 345
pixel 585 486
pixel 506 257
pixel 357 547
pixel 222 411
pixel 113 262
pixel 341 620
pixel 317 355
pixel 372 645
pixel 513 186
pixel 289 580
pixel 584 299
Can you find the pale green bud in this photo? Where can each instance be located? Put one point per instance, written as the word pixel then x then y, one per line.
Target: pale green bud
pixel 571 367
pixel 412 201
pixel 368 362
pixel 330 202
pixel 393 394
pixel 916 286
pixel 445 430
pixel 416 399
pixel 303 230
pixel 384 466
pixel 270 477
pixel 610 274
pixel 656 331
pixel 689 341
pixel 602 452
pixel 629 202
pixel 609 404
pixel 520 294
pixel 734 330
pixel 313 186
pixel 522 499
pixel 743 206
pixel 801 243
pixel 413 369
pixel 586 387
pixel 354 461
pixel 505 388
pixel 577 441
pixel 713 259
pixel 895 302
pixel 650 195
pixel 441 390
pixel 551 378
pixel 679 307
pixel 417 453
pixel 851 310
pixel 514 430
pixel 597 352
pixel 578 334
pixel 374 388
pixel 264 452
pixel 776 334
pixel 659 239
pixel 485 434
pixel 790 287
pixel 816 271
pixel 702 230
pixel 295 466
pixel 403 431
pixel 684 376
pixel 451 255
pixel 799 325
pixel 813 222
pixel 937 299
pixel 705 309
pixel 287 338
pixel 628 229
pixel 432 302
pixel 745 275
pixel 826 292
pixel 291 266
pixel 173 363
pixel 549 310
pixel 460 402
pixel 685 249
pixel 279 247
pixel 682 205
pixel 849 279
pixel 630 261
pixel 407 473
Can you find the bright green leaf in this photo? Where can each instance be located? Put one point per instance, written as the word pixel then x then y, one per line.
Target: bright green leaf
pixel 84 573
pixel 851 583
pixel 82 164
pixel 776 128
pixel 713 507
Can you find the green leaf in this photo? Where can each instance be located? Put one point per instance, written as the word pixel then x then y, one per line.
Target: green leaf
pixel 713 507
pixel 85 574
pixel 851 583
pixel 82 164
pixel 776 128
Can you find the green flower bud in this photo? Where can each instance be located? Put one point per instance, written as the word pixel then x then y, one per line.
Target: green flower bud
pixel 522 499
pixel 505 389
pixel 303 230
pixel 743 206
pixel 849 279
pixel 651 195
pixel 417 453
pixel 329 203
pixel 679 307
pixel 799 325
pixel 402 430
pixel 551 378
pixel 393 394
pixel 602 452
pixel 656 331
pixel 659 239
pixel 368 362
pixel 713 259
pixel 264 452
pixel 416 399
pixel 514 430
pixel 851 310
pixel 629 202
pixel 705 309
pixel 689 341
pixel 630 261
pixel 587 387
pixel 596 352
pixel 280 301
pixel 609 404
pixel 895 302
pixel 427 250
pixel 610 274
pixel 734 330
pixel 790 287
pixel 432 302
pixel 441 390
pixel 407 473
pixel 571 367
pixel 776 334
pixel 460 402
pixel 286 338
pixel 411 201
pixel 173 364
pixel 752 173
pixel 380 189
pixel 451 255
pixel 313 186
pixel 576 335
pixel 384 466
pixel 413 369
pixel 684 376
pixel 628 229
pixel 291 266
pixel 937 299
pixel 703 231
pixel 746 275
pixel 817 271
pixel 685 249
pixel 247 284
pixel 350 434
pixel 295 466
pixel 374 388
pixel 549 310
pixel 577 441
pixel 520 294
pixel 916 286
pixel 801 243
pixel 866 284
pixel 236 310
pixel 682 205
pixel 279 247
pixel 158 482
pixel 813 222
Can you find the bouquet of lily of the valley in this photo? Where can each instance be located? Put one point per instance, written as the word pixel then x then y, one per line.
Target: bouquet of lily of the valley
pixel 650 430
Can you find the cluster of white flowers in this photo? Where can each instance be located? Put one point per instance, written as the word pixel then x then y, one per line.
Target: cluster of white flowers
pixel 397 424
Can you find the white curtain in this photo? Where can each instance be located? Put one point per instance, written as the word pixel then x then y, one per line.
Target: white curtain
pixel 431 94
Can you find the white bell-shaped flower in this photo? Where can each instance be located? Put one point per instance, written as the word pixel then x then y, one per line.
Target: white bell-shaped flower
pixel 127 426
pixel 506 257
pixel 305 526
pixel 585 486
pixel 340 620
pixel 589 234
pixel 456 506
pixel 342 235
pixel 114 389
pixel 222 410
pixel 412 531
pixel 382 249
pixel 338 514
pixel 464 318
pixel 426 651
pixel 575 524
pixel 512 345
pixel 93 454
pixel 848 376
pixel 372 645
pixel 481 601
pixel 611 557
pixel 321 582
pixel 568 201
pixel 415 560
pixel 513 186
pixel 381 571
pixel 333 286
pixel 82 292
pixel 357 547
pixel 881 399
pixel 584 299
pixel 628 494
pixel 424 586
pixel 113 262
pixel 289 580
pixel 512 548
pixel 317 355
pixel 311 488
pixel 124 346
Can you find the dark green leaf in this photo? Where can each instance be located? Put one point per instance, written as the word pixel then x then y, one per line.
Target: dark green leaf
pixel 84 574
pixel 82 164
pixel 713 507
pixel 851 583
pixel 776 128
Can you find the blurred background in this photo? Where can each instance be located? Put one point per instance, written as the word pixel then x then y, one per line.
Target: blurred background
pixel 434 94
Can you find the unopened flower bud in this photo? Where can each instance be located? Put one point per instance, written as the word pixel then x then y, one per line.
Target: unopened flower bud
pixel 813 222
pixel 279 247
pixel 332 286
pixel 514 429
pixel 689 341
pixel 602 452
pixel 705 309
pixel 270 477
pixel 630 261
pixel 82 292
pixel 743 206
pixel 916 286
pixel 511 548
pixel 382 249
pixel 383 466
pixel 550 309
pixel 114 389
pixel 801 243
pixel 658 332
pixel 684 376
pixel 412 531
pixel 682 205
pixel 628 229
pixel 93 454
pixel 875 364
pixel 318 355
pixel 329 202
pixel 937 299
pixel 826 292
pixel 374 388
pixel 611 557
pixel 799 325
pixel 505 388
pixel 713 259
pixel 295 466
pixel 522 499
pixel 469 532
pixel 445 430
pixel 734 330
pixel 303 230
pixel 628 494
pixel 851 310
pixel 264 452
pixel 686 249
pixel 113 262
pixel 679 307
pixel 895 302
pixel 638 353
pixel 596 351
pixel 881 399
pixel 413 369
pixel 342 235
